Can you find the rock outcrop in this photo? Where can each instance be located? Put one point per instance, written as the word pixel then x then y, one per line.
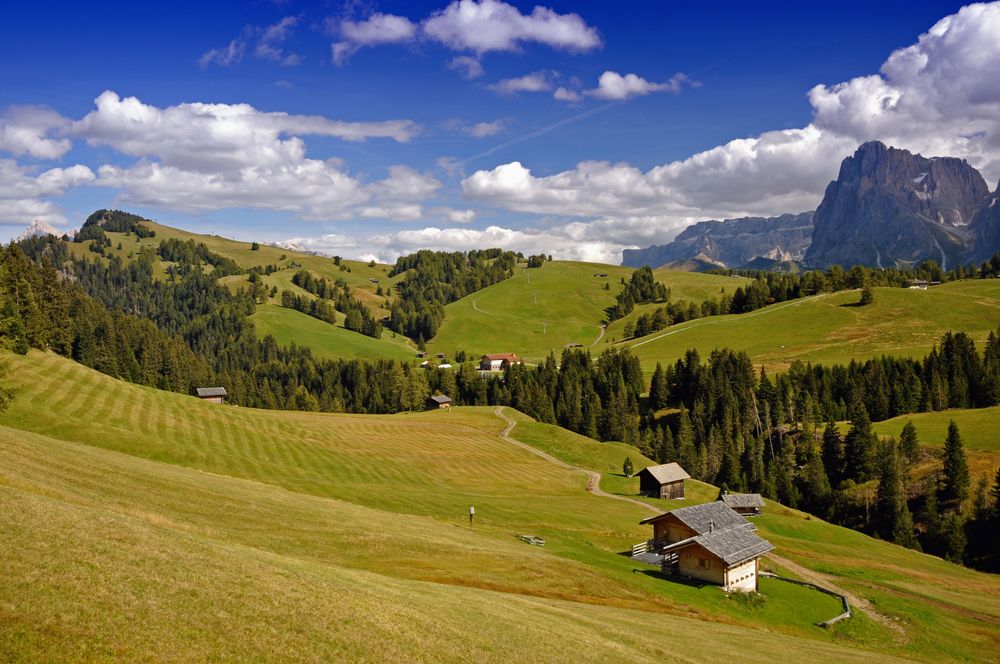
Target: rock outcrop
pixel 35 229
pixel 891 207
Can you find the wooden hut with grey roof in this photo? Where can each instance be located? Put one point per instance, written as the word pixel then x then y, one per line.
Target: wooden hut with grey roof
pixel 663 481
pixel 212 394
pixel 708 542
pixel 747 504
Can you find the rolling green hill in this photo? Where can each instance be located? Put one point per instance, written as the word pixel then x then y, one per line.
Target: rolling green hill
pixel 829 329
pixel 544 309
pixel 327 341
pixel 215 532
pixel 285 325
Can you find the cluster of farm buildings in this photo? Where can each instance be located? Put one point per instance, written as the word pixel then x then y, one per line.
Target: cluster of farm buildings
pixel 713 542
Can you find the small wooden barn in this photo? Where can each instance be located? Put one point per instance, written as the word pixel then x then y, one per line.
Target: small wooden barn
pixel 663 481
pixel 439 401
pixel 711 543
pixel 212 394
pixel 747 504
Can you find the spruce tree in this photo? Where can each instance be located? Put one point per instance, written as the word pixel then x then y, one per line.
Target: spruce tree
pixel 627 467
pixel 953 537
pixel 909 446
pixel 833 453
pixel 860 447
pixel 658 389
pixel 893 521
pixel 956 469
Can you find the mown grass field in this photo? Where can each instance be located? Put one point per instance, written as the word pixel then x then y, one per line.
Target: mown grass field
pixel 980 427
pixel 289 326
pixel 216 532
pixel 980 430
pixel 694 287
pixel 829 329
pixel 544 309
pixel 537 311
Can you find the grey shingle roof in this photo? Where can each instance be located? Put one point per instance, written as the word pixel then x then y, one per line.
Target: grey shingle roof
pixel 735 546
pixel 698 517
pixel 745 500
pixel 668 472
pixel 440 398
pixel 211 392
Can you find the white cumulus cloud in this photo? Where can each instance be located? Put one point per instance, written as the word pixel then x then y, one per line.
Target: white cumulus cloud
pixel 612 86
pixel 479 26
pixel 539 81
pixel 29 130
pixel 25 196
pixel 202 157
pixel 491 25
pixel 377 29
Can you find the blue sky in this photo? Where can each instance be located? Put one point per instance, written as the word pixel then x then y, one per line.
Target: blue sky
pixel 407 138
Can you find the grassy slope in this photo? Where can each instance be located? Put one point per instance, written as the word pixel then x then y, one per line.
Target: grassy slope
pixel 826 329
pixel 507 317
pixel 691 286
pixel 180 578
pixel 325 340
pixel 326 498
pixel 980 429
pixel 285 325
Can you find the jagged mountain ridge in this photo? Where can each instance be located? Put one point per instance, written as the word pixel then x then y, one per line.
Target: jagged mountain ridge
pixel 887 207
pixel 890 206
pixel 732 242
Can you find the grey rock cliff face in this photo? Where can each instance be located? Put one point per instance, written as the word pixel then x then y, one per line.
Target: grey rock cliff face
pixel 732 242
pixel 985 229
pixel 890 207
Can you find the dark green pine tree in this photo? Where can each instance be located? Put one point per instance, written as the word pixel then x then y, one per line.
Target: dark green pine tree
pixel 659 392
pixel 686 453
pixel 909 446
pixel 833 453
pixel 953 537
pixel 816 491
pixel 893 521
pixel 955 473
pixel 860 447
pixel 996 498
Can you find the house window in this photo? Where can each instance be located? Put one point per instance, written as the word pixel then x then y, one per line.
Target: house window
pixel 703 563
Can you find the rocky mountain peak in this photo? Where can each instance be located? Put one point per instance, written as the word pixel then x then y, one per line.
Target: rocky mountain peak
pixel 889 206
pixel 36 228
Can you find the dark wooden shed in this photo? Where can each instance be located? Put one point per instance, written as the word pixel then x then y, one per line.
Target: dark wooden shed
pixel 438 401
pixel 663 481
pixel 212 394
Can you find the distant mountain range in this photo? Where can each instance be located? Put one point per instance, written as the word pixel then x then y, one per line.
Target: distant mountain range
pixel 887 207
pixel 732 243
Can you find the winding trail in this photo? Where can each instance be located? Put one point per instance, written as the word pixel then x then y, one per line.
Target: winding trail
pixel 594 487
pixel 604 328
pixel 593 477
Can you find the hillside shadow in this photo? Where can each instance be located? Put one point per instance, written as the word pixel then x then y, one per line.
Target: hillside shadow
pixel 672 578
